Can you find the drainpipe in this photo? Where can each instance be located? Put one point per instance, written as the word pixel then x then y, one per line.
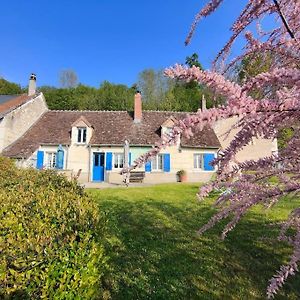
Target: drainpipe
pixel 89 168
pixel 67 156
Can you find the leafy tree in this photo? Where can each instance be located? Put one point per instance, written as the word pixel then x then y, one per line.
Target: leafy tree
pixel 60 99
pixel 193 60
pixel 9 88
pixel 248 184
pixel 68 78
pixel 154 87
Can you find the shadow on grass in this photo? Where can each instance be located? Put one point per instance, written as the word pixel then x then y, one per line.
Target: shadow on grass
pixel 156 253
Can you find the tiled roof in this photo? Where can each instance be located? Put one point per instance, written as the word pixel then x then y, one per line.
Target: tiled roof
pixel 11 102
pixel 110 128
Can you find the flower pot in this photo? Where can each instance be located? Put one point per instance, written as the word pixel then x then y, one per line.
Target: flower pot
pixel 183 178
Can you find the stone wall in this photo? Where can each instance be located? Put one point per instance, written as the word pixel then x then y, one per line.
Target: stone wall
pixel 17 122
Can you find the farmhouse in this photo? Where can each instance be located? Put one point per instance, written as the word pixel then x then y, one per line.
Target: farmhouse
pixel 90 144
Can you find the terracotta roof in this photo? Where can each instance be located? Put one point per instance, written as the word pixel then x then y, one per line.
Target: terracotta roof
pixel 110 128
pixel 10 103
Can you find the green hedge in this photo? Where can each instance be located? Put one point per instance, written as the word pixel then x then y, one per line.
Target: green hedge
pixel 50 237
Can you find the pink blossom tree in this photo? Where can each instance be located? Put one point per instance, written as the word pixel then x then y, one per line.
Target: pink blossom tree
pixel 247 184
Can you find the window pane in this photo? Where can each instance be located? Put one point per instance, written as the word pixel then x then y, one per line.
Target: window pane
pixel 79 135
pixel 121 160
pixel 154 163
pixel 160 162
pixel 115 160
pixel 84 135
pixel 101 159
pixel 53 160
pixel 96 160
pixel 200 161
pixel 48 160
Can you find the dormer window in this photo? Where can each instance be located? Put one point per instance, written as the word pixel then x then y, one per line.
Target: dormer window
pixel 167 126
pixel 81 135
pixel 167 130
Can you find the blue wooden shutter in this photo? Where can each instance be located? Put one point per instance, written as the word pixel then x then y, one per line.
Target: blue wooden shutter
pixel 108 161
pixel 129 159
pixel 40 160
pixel 167 162
pixel 60 159
pixel 148 166
pixel 208 158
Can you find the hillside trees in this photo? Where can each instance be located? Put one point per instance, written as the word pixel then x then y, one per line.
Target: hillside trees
pixel 68 78
pixel 277 106
pixel 9 88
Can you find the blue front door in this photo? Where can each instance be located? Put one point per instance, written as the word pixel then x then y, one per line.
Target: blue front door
pixel 98 167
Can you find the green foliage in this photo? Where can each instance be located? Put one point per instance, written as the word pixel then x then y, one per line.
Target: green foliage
pixel 109 96
pixel 251 66
pixel 284 137
pixel 50 237
pixel 193 60
pixel 9 88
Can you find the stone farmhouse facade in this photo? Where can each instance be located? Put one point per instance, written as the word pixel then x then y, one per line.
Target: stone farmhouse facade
pixel 90 144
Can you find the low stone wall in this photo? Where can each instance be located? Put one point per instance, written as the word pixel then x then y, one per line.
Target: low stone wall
pixel 116 178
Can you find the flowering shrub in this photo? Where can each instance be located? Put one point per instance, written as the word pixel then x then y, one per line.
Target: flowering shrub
pixel 262 115
pixel 50 237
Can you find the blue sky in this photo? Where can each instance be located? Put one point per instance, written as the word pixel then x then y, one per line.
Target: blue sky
pixel 105 39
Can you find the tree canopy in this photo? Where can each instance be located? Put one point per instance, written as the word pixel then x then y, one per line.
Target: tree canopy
pixel 9 88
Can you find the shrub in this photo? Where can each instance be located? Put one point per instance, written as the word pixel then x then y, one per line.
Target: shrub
pixel 50 237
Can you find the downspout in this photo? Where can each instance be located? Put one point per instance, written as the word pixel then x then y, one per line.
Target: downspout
pixel 89 168
pixel 67 156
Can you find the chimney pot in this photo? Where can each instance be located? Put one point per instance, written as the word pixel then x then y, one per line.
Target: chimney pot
pixel 32 85
pixel 137 107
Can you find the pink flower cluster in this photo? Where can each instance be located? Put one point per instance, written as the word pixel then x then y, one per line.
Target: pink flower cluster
pixel 246 184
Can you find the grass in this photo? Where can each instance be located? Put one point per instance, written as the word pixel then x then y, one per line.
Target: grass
pixel 156 253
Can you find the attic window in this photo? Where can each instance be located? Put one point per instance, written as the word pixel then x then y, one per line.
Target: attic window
pixel 167 130
pixel 81 135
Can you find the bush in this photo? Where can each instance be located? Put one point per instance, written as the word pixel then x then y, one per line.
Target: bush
pixel 50 237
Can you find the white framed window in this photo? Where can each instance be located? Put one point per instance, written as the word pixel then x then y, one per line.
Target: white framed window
pixel 51 160
pixel 199 161
pixel 118 160
pixel 158 162
pixel 81 135
pixel 167 130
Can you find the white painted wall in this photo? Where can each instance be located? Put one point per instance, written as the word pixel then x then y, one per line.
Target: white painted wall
pixel 257 149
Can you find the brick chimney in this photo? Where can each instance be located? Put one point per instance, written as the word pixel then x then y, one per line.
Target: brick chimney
pixel 137 107
pixel 32 85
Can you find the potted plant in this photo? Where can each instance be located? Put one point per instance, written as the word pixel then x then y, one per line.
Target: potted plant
pixel 182 175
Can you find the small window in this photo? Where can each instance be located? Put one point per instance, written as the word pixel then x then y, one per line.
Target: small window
pixel 168 130
pixel 51 160
pixel 157 162
pixel 118 160
pixel 198 161
pixel 81 137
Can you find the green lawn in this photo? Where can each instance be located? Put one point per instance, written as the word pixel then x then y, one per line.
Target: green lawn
pixel 156 253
